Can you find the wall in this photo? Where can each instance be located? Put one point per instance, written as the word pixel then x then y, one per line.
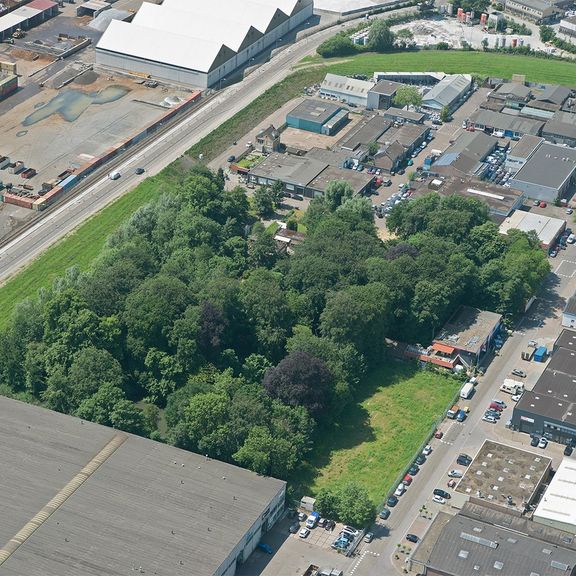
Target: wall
pixel 535 190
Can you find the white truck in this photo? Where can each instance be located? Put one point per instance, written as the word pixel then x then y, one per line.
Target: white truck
pixel 512 387
pixel 467 390
pixel 114 175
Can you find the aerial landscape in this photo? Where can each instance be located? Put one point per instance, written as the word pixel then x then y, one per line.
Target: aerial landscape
pixel 288 287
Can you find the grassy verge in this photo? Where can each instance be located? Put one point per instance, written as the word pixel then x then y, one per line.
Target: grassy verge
pixel 377 437
pixel 245 120
pixel 454 62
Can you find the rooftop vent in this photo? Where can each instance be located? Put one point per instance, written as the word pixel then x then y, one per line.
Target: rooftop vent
pixel 498 565
pixel 559 565
pixel 463 554
pixel 478 540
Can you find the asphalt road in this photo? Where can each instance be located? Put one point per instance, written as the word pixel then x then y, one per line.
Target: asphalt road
pixel 541 323
pixel 155 156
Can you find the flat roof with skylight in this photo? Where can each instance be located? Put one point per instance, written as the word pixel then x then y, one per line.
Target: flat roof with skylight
pixel 504 475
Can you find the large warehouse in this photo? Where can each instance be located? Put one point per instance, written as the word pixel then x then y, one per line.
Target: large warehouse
pixel 198 44
pixel 83 499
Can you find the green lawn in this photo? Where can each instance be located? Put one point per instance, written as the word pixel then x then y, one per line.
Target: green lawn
pixel 378 437
pixel 483 64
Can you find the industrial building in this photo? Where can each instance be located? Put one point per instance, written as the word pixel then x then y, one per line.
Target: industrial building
pixel 482 541
pixel 537 11
pixel 400 115
pixel 568 26
pixel 26 17
pixel 510 126
pixel 561 128
pixel 504 477
pixel 306 175
pixel 344 89
pixel 547 229
pixel 557 508
pixel 198 44
pixel 80 498
pixel 549 409
pixel 382 94
pixel 317 116
pixel 8 79
pixel 569 313
pixel 548 174
pixel 520 152
pixel 449 93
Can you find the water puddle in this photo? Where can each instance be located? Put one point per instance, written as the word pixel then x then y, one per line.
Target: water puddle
pixel 70 104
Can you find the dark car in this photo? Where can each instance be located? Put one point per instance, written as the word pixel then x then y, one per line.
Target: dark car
pixel 464 460
pixel 294 528
pixel 330 525
pixel 385 514
pixel 392 501
pixel 420 459
pixel 139 171
pixel 442 493
pixel 265 547
pixel 534 441
pixel 568 450
pixel 413 470
pixel 231 158
pixel 437 122
pixel 412 538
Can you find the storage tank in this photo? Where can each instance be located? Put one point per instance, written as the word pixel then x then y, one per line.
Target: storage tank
pixel 483 19
pixel 514 42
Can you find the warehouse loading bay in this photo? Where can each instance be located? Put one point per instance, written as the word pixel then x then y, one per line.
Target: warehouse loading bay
pixel 65 113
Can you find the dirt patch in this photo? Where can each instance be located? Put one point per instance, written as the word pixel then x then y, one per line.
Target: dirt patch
pixel 89 77
pixel 29 55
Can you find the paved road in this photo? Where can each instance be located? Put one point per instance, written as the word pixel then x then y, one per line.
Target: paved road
pixel 159 153
pixel 542 323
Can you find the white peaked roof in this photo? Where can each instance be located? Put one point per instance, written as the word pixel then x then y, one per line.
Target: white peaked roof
pixel 160 46
pixel 209 27
pixel 287 6
pixel 246 11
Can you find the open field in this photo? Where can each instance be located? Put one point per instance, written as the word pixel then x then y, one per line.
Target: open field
pixel 452 62
pixel 378 437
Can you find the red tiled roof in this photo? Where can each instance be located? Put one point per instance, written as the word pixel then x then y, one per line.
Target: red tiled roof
pixel 42 4
pixel 443 348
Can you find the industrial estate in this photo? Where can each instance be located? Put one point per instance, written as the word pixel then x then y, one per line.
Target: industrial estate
pixel 333 329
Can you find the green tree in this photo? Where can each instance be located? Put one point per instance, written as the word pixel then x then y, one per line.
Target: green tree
pixel 327 503
pixel 547 33
pixel 354 505
pixel 381 38
pixel 484 44
pixel 406 96
pixel 373 148
pixel 263 201
pixel 338 45
pixel 445 115
pixel 336 193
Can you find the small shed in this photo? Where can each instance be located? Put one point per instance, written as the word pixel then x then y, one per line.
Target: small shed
pixel 307 503
pixel 540 354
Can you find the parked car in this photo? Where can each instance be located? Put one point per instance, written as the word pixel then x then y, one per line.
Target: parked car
pixel 412 538
pixel 368 537
pixel 139 171
pixel 401 488
pixel 568 450
pixel 518 372
pixel 542 204
pixel 455 474
pixel 294 528
pixel 500 403
pixel 302 516
pixel 413 470
pixel 265 547
pixel 407 480
pixel 385 514
pixel 427 450
pixel 304 533
pixel 516 397
pixel 535 441
pixel 392 501
pixel 438 434
pixel 438 500
pixel 463 460
pixel 420 459
pixel 543 443
pixel 451 483
pixel 231 158
pixel 569 211
pixel 488 418
pixel 495 406
pixel 442 493
pixel 330 525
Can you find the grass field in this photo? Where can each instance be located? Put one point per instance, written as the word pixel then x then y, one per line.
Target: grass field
pixel 480 63
pixel 378 437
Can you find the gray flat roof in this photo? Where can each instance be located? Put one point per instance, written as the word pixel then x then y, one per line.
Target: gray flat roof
pixel 407 114
pixel 465 546
pixel 547 406
pixel 570 307
pixel 406 135
pixel 319 111
pixel 513 89
pixel 563 360
pixel 295 170
pixel 499 471
pixel 553 93
pixel 475 144
pixel 549 166
pixel 386 87
pixel 365 133
pixel 567 338
pixel 330 157
pixel 358 180
pixel 501 121
pixel 468 329
pixel 147 504
pixel 553 128
pixel 525 146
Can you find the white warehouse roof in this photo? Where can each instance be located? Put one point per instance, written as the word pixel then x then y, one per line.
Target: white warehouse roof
pixel 183 22
pixel 449 89
pixel 10 21
pixel 160 46
pixel 547 228
pixel 345 85
pixel 558 505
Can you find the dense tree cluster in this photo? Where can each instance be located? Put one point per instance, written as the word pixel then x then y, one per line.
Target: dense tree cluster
pixel 349 503
pixel 190 310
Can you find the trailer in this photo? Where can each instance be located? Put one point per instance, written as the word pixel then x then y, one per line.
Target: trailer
pixel 467 391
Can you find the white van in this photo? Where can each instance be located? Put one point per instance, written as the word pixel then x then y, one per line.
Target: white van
pixel 467 390
pixel 512 387
pixel 114 175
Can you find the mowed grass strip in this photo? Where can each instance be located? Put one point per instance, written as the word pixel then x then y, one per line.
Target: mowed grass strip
pixel 375 439
pixel 85 243
pixel 457 62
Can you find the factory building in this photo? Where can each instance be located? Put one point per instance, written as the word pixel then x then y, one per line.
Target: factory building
pixel 79 498
pixel 26 17
pixel 198 44
pixel 317 116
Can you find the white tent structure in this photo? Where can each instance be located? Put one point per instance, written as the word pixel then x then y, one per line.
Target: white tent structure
pixel 197 44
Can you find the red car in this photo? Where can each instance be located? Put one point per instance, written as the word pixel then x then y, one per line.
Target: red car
pixel 407 480
pixel 438 434
pixel 542 204
pixel 451 483
pixel 495 406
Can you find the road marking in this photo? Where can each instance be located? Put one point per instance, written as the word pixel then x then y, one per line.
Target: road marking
pixel 557 271
pixel 354 568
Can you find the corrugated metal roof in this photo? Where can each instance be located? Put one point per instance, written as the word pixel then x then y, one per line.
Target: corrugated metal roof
pixel 42 4
pixel 10 21
pixel 448 90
